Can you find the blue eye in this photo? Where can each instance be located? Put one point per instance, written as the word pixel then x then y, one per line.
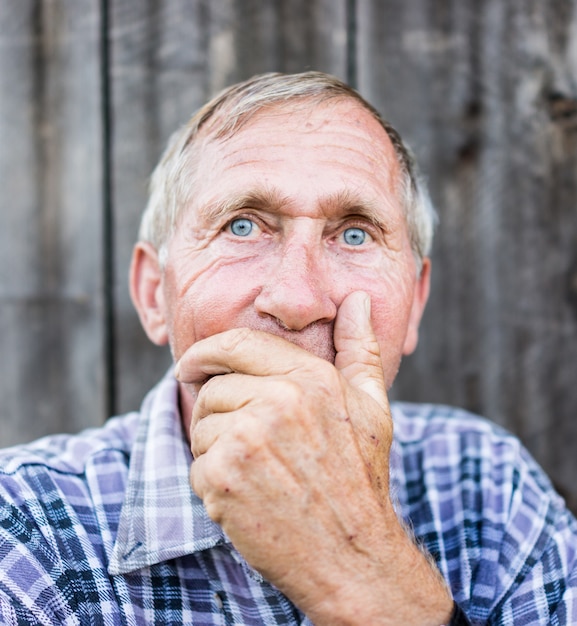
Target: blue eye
pixel 241 227
pixel 354 236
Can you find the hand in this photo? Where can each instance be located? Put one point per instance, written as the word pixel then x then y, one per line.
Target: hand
pixel 291 458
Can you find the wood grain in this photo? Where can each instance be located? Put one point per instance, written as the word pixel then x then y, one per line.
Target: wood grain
pixel 50 231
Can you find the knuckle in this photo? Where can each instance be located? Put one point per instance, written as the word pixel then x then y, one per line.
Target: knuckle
pixel 250 437
pixel 232 339
pixel 214 508
pixel 287 390
pixel 328 388
pixel 211 475
pixel 196 446
pixel 208 391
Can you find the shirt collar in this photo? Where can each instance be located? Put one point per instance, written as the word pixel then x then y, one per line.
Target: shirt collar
pixel 161 518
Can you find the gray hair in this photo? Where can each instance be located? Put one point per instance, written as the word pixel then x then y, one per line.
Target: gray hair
pixel 172 182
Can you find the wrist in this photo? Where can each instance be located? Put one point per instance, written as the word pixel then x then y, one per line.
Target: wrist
pixel 403 588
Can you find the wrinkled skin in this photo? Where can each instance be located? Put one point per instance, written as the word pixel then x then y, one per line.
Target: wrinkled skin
pixel 289 295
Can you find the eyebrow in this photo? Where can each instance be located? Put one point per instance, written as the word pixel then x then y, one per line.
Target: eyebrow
pixel 346 203
pixel 340 204
pixel 256 199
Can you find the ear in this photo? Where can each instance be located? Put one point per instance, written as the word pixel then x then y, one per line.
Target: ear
pixel 420 297
pixel 146 292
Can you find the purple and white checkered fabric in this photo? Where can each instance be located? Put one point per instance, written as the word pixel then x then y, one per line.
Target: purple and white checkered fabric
pixel 103 528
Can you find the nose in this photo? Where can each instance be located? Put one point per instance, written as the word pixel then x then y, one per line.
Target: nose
pixel 296 291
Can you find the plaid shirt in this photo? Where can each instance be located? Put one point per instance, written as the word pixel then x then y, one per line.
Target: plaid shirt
pixel 102 527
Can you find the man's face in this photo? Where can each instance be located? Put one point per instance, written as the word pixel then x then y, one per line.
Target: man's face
pixel 288 216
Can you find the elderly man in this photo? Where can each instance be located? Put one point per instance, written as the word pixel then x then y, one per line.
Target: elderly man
pixel 266 480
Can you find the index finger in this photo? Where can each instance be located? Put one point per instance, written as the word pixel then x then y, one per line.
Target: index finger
pixel 244 351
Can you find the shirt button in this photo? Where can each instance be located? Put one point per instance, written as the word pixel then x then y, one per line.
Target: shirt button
pixel 218 601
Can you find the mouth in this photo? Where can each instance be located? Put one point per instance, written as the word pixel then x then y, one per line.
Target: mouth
pixel 317 338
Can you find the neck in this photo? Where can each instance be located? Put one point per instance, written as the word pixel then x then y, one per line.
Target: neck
pixel 186 397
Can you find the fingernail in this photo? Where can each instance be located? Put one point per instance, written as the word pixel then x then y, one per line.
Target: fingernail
pixel 177 369
pixel 367 305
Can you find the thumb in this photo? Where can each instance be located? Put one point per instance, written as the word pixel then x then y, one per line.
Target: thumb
pixel 358 356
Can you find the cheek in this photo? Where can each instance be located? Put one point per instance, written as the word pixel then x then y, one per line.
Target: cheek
pixel 217 299
pixel 390 324
pixel 391 301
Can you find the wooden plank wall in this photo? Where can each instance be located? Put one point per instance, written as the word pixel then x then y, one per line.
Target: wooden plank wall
pixel 51 324
pixel 485 92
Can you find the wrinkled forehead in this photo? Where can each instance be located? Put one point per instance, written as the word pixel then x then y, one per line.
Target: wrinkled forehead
pixel 231 119
pixel 316 122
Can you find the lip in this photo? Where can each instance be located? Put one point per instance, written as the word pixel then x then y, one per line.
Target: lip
pixel 316 338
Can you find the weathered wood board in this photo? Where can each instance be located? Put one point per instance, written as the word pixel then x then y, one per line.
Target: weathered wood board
pixel 51 325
